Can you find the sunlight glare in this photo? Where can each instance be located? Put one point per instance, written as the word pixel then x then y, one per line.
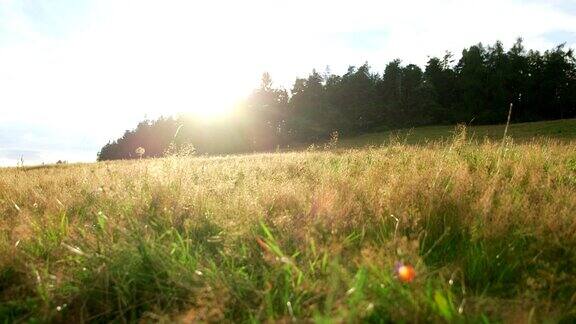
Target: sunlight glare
pixel 213 104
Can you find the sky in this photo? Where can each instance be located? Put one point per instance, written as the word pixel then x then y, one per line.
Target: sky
pixel 75 74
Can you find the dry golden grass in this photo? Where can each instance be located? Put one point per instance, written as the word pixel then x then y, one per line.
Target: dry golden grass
pixel 309 235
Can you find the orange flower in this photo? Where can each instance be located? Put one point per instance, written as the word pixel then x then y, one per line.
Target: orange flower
pixel 405 272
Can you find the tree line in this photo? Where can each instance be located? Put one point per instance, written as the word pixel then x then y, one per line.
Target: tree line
pixel 477 88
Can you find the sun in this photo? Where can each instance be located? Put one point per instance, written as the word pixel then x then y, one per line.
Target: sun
pixel 213 104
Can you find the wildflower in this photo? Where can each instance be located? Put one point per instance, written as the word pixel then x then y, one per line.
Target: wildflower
pixel 140 151
pixel 405 272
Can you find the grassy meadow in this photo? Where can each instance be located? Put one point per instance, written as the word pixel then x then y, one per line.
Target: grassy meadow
pixel 310 236
pixel 562 130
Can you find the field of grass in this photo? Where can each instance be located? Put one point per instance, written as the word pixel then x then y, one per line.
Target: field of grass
pixel 557 129
pixel 297 236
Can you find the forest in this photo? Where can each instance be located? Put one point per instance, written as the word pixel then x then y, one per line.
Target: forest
pixel 477 89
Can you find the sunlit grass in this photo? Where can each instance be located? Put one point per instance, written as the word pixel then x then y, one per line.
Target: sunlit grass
pixel 315 235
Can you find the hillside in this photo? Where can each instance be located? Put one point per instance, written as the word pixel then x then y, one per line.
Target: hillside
pixel 300 236
pixel 557 129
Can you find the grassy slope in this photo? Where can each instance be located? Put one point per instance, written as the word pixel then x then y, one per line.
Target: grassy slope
pixel 557 129
pixel 304 235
